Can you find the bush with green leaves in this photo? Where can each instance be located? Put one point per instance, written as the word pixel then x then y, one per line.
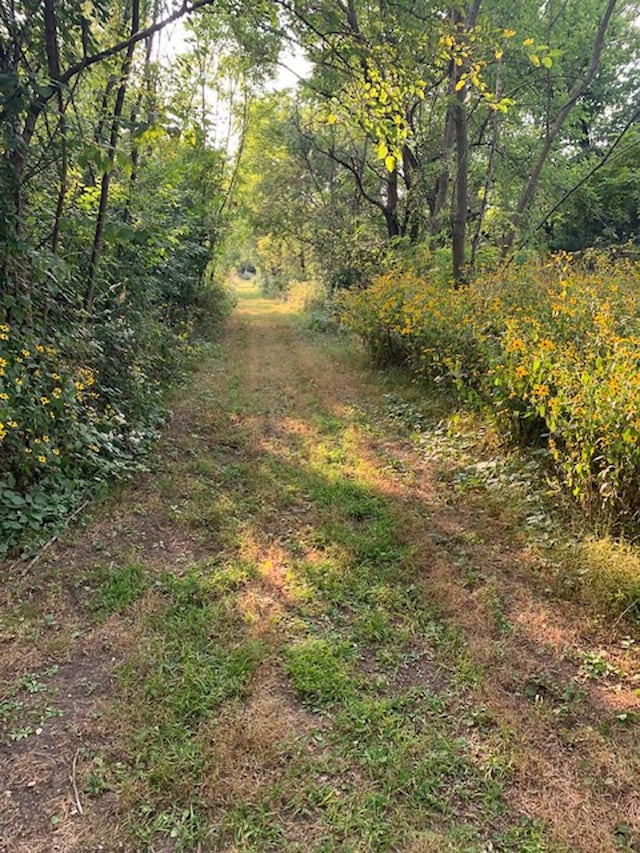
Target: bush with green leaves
pixel 553 347
pixel 83 406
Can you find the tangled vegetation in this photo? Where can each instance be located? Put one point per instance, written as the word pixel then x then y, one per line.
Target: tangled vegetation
pixel 84 409
pixel 113 196
pixel 552 347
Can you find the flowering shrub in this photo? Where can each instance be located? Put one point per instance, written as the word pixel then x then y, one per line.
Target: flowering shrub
pixel 78 410
pixel 554 348
pixel 306 296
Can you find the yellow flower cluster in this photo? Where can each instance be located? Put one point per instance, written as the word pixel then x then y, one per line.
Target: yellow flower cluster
pixel 553 347
pixel 39 400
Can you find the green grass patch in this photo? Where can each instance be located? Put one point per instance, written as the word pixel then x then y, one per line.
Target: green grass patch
pixel 119 587
pixel 388 761
pixel 319 671
pixel 195 656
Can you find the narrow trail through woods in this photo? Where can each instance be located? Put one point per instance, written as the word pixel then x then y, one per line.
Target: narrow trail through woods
pixel 297 634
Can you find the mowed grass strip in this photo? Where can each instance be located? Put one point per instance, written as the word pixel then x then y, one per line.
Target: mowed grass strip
pixel 310 699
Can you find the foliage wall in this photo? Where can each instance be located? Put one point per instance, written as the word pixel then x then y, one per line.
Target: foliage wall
pixel 116 178
pixel 467 130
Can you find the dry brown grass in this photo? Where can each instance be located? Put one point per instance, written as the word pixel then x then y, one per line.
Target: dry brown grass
pixel 251 744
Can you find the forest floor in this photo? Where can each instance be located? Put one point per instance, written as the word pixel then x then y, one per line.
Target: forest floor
pixel 324 621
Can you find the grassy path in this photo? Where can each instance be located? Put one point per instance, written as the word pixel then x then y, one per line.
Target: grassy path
pixel 305 631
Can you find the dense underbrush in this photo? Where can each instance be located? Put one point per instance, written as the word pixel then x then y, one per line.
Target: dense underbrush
pixel 553 348
pixel 82 404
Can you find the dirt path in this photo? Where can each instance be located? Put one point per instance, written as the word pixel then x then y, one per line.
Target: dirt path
pixel 306 631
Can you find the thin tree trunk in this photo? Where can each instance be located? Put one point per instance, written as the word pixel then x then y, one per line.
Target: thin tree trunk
pixel 577 92
pixel 17 161
pixel 411 220
pixel 461 199
pixel 454 124
pixel 488 178
pixel 391 207
pixel 135 112
pixel 98 238
pixel 442 183
pixel 53 64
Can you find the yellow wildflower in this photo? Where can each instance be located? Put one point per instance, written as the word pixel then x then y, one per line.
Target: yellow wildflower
pixel 541 390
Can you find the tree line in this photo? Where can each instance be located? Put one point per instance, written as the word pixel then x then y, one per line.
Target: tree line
pixel 457 134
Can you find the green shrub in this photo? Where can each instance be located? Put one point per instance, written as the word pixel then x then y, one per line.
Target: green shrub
pixel 554 348
pixel 83 407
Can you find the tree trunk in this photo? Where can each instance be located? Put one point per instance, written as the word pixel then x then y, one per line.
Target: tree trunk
pixel 495 137
pixel 461 199
pixel 391 207
pixel 135 112
pixel 53 65
pixel 411 219
pixel 442 183
pixel 12 227
pixel 98 238
pixel 577 92
pixel 455 138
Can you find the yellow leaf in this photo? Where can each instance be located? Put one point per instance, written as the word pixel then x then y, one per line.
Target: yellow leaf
pixel 527 42
pixel 460 84
pixel 390 163
pixel 507 34
pixel 535 59
pixel 332 119
pixel 382 150
pixel 499 54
